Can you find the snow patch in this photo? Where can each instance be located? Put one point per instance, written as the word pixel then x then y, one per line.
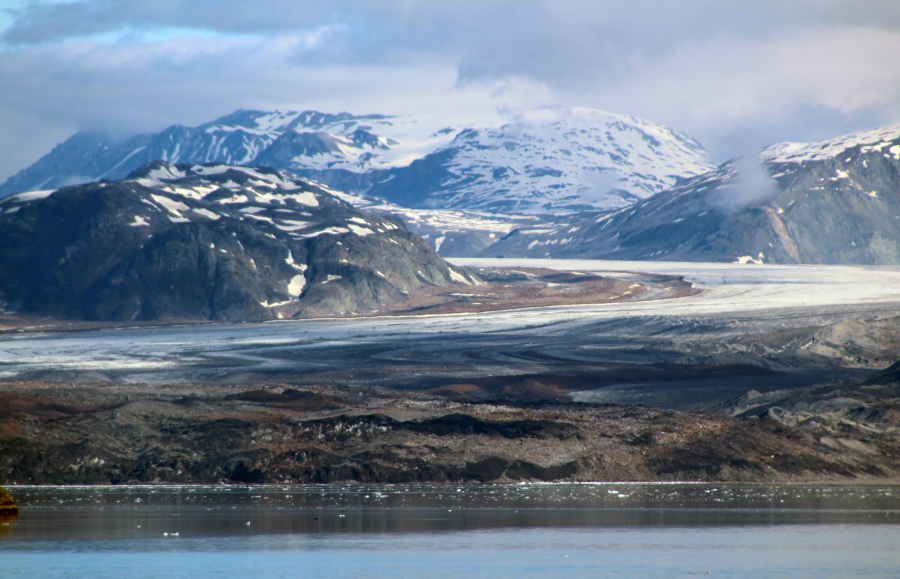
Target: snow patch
pixel 32 195
pixel 361 231
pixel 290 261
pixel 206 213
pixel 296 285
pixel 458 277
pixel 173 207
pixel 327 231
pixel 306 198
pixel 748 259
pixel 289 225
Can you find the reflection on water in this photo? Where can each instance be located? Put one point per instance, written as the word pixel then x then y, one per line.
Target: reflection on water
pixel 7 522
pixel 546 530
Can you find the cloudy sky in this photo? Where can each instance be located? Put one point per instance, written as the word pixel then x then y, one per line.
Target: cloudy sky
pixel 735 74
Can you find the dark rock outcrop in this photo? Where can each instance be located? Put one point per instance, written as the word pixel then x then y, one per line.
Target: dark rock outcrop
pixel 7 503
pixel 187 242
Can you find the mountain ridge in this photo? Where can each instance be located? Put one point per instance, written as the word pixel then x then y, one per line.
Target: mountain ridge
pixel 835 201
pixel 561 160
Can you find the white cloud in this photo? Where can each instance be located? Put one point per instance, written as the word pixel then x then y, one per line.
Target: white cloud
pixel 728 73
pixel 706 89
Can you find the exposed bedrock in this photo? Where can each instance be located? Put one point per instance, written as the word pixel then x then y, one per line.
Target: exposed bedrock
pixel 114 435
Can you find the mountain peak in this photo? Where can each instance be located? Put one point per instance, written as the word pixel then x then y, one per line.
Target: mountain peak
pixel 885 140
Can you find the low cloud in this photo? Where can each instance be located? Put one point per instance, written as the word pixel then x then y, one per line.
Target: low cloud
pixel 752 187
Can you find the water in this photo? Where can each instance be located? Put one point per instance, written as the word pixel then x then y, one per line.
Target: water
pixel 521 531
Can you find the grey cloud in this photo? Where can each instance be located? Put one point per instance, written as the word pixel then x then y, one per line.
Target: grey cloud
pixel 652 24
pixel 570 44
pixel 566 42
pixel 651 58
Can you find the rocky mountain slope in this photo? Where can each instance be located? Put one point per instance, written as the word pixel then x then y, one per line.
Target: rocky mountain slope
pixel 835 201
pixel 195 242
pixel 543 162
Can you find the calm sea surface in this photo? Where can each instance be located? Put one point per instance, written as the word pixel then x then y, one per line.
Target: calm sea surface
pixel 521 531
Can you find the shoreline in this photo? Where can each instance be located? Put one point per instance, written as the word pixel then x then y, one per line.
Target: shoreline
pixel 850 483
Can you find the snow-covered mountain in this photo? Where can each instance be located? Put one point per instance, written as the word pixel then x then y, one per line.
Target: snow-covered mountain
pixel 205 242
pixel 564 161
pixel 834 201
pixel 287 140
pixel 548 161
